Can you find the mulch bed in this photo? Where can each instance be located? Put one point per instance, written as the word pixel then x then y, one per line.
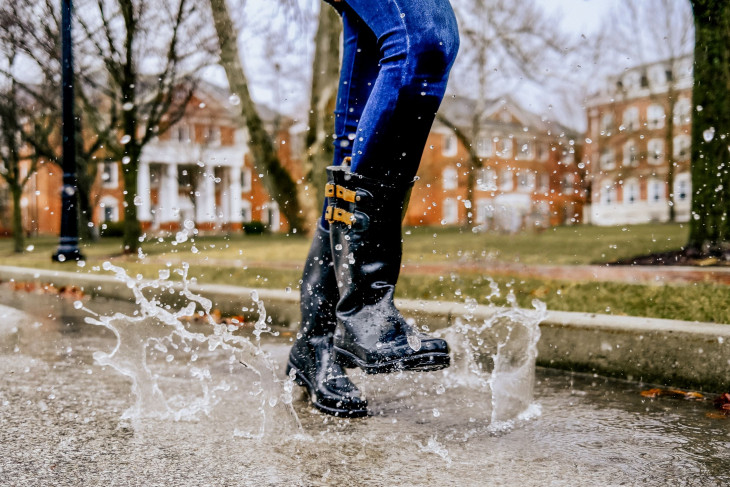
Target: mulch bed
pixel 686 257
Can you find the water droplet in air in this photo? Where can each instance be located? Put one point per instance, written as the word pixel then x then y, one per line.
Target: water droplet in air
pixel 234 100
pixel 137 200
pixel 338 247
pixel 414 341
pixel 78 304
pixel 30 248
pixel 125 139
pixel 128 106
pixel 709 134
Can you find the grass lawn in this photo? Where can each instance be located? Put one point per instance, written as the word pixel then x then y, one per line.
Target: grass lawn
pixel 270 261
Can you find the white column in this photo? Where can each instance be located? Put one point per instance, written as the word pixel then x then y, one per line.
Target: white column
pixel 234 192
pixel 224 185
pixel 144 209
pixel 168 194
pixel 205 201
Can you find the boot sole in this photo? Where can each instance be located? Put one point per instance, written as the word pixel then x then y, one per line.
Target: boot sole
pixel 427 362
pixel 301 380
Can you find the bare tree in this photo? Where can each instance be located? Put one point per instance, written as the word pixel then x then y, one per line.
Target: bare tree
pixel 325 78
pixel 148 53
pixel 504 44
pixel 641 33
pixel 278 181
pixel 28 109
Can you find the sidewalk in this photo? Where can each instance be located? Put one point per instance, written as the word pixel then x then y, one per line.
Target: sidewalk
pixel 670 352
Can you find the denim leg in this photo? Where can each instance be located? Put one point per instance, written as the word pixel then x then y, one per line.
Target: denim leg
pixel 360 58
pixel 417 41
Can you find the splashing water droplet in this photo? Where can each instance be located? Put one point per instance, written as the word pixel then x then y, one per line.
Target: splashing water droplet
pixel 78 304
pixel 414 341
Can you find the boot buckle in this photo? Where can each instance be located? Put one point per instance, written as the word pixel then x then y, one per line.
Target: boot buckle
pixel 346 194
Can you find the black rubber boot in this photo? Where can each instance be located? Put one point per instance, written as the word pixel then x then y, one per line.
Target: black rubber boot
pixel 311 358
pixel 365 228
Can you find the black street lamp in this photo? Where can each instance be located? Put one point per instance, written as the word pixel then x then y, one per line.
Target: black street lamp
pixel 68 249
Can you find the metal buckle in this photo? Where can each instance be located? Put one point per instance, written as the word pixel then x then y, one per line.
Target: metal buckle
pixel 343 216
pixel 346 194
pixel 329 190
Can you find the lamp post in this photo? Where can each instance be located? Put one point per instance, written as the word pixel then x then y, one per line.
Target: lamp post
pixel 68 249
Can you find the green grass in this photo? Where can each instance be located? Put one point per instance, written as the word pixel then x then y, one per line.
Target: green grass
pixel 272 261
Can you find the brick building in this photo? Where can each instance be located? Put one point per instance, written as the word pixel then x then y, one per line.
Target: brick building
pixel 529 175
pixel 639 126
pixel 198 170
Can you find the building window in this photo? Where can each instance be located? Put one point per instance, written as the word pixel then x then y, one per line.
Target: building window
pixel 109 174
pixel 608 192
pixel 270 215
pixel 181 134
pixel 608 160
pixel 655 116
pixel 450 178
pixel 655 148
pixel 544 182
pixel 449 148
pixel 485 211
pixel 246 214
pixel 524 150
pixel 487 179
pixel 109 209
pixel 542 152
pixel 506 183
pixel 607 122
pixel 682 187
pixel 655 191
pixel 526 181
pixel 632 80
pixel 449 212
pixel 504 147
pixel 682 111
pixel 631 191
pixel 631 154
pixel 484 147
pixel 631 118
pixel 213 136
pixel 682 145
pixel 659 75
pixel 567 183
pixel 246 180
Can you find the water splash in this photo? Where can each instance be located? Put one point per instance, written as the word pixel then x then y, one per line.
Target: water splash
pixel 177 372
pixel 498 357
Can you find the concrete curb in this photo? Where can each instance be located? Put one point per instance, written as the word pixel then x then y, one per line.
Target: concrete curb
pixel 669 352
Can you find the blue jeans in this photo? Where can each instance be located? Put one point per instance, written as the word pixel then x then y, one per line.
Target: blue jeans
pixel 396 60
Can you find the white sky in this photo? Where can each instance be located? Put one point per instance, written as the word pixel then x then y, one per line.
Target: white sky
pixel 579 16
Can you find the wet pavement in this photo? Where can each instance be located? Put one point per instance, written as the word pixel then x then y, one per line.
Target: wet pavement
pixel 60 424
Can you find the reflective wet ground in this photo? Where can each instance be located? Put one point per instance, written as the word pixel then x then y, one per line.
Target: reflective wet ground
pixel 60 424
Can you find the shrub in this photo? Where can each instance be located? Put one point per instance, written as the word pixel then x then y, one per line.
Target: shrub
pixel 254 228
pixel 111 229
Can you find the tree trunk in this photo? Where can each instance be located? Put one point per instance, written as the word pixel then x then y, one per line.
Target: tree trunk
pixel 709 225
pixel 132 228
pixel 325 80
pixel 277 180
pixel 669 144
pixel 18 235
